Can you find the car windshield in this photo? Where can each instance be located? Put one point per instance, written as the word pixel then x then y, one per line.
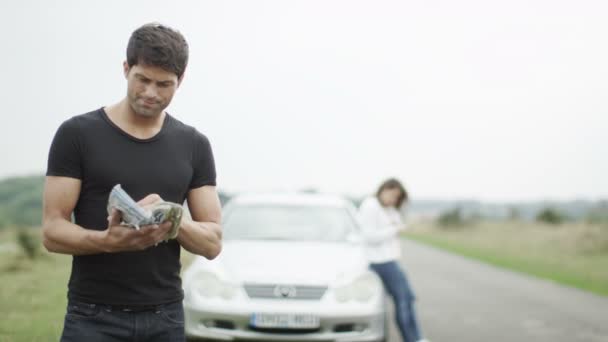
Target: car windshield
pixel 295 223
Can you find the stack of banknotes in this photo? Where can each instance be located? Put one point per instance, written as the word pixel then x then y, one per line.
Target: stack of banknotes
pixel 133 215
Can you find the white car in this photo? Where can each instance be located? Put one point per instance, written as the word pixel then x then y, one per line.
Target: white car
pixel 292 268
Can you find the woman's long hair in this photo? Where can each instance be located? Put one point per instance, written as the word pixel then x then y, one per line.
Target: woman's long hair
pixel 393 183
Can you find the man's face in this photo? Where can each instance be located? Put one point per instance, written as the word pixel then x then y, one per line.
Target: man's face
pixel 150 89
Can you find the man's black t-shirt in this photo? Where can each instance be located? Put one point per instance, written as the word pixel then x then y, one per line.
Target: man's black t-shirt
pixel 90 147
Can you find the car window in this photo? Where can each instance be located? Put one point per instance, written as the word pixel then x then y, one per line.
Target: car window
pixel 297 223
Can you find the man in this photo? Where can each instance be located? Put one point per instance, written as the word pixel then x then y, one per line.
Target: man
pixel 125 283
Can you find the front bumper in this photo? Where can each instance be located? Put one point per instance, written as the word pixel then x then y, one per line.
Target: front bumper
pixel 230 324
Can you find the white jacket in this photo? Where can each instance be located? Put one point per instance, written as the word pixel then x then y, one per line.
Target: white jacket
pixel 380 228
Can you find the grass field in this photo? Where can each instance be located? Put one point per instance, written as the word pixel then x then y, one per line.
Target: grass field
pixel 570 254
pixel 33 296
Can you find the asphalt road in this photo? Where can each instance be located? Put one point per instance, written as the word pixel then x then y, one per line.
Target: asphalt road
pixel 463 300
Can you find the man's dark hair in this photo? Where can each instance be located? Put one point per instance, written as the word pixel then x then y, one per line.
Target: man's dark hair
pixel 160 46
pixel 393 183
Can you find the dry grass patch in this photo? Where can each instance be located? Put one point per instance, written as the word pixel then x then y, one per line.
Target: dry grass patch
pixel 574 254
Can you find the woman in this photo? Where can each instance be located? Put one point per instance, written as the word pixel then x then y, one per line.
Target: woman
pixel 381 224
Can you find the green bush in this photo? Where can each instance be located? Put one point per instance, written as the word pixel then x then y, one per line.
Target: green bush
pixel 29 242
pixel 451 218
pixel 550 216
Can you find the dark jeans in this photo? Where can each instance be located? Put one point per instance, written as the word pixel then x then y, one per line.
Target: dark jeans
pixel 98 322
pixel 396 284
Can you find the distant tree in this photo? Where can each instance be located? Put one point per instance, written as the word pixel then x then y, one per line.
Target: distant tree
pixel 550 216
pixel 451 218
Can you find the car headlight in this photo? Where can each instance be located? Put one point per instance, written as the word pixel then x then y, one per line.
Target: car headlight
pixel 361 289
pixel 209 285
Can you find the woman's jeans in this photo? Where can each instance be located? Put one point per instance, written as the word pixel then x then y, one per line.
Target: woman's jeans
pixel 86 322
pixel 396 284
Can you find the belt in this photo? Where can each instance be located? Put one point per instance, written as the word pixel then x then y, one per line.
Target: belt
pixel 125 308
pixel 128 308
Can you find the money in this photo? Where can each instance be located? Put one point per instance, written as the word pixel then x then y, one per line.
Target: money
pixel 135 216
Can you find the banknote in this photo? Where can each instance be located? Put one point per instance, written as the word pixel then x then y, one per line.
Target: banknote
pixel 133 215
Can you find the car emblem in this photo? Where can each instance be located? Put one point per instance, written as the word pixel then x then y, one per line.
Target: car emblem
pixel 285 291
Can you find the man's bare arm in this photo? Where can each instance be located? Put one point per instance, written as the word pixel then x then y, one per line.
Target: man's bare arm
pixel 60 235
pixel 202 234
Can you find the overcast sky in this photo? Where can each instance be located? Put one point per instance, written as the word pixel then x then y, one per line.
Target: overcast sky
pixel 494 100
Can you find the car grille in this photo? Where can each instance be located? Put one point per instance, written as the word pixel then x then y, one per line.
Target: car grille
pixel 281 291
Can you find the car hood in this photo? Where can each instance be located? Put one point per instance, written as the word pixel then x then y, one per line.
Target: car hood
pixel 303 263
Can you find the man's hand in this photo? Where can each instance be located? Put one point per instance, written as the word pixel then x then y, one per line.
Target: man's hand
pixel 62 236
pixel 118 238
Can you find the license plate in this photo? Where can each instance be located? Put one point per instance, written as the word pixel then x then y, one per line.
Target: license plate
pixel 285 321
